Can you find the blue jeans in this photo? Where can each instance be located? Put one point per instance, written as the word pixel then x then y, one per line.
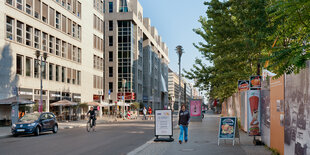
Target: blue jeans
pixel 183 130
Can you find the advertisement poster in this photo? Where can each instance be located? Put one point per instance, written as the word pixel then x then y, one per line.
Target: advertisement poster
pixel 163 123
pixel 195 108
pixel 227 127
pixel 254 112
pixel 243 85
pixel 255 82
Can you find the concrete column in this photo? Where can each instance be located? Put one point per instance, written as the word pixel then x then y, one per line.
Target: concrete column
pixel 100 110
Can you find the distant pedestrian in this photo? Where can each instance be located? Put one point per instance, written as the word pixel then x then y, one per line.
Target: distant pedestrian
pixel 184 118
pixel 150 113
pixel 144 113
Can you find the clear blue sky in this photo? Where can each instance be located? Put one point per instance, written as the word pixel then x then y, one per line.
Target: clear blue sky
pixel 175 20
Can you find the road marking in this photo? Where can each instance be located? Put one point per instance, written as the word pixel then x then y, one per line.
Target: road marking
pixel 140 148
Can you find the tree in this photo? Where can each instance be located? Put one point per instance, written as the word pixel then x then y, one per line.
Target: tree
pixel 234 35
pixel 291 20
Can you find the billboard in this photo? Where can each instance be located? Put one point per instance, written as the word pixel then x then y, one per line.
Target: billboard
pixel 254 112
pixel 195 108
pixel 255 82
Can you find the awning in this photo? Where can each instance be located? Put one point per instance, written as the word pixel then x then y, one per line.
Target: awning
pixel 93 104
pixel 163 82
pixel 64 103
pixel 15 99
pixel 122 104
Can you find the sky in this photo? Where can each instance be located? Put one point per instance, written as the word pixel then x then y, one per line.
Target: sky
pixel 175 21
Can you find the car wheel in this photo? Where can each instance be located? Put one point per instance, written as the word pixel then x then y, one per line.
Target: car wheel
pixel 55 129
pixel 37 131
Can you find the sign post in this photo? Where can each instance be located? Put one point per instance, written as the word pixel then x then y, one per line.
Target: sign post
pixel 163 125
pixel 228 129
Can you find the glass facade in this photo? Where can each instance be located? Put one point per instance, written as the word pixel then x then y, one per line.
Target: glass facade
pixel 125 54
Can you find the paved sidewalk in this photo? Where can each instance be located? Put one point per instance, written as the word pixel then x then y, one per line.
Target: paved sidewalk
pixel 202 140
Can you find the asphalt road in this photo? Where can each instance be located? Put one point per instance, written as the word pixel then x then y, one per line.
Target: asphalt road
pixel 115 139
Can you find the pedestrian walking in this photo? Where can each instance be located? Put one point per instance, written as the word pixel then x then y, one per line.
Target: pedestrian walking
pixel 150 113
pixel 184 118
pixel 144 113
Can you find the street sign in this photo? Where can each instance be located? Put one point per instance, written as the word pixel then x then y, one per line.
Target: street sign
pixel 227 129
pixel 163 125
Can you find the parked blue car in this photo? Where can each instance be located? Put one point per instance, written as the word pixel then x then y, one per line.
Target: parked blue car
pixel 34 123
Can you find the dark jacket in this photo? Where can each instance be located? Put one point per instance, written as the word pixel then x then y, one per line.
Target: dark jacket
pixel 184 117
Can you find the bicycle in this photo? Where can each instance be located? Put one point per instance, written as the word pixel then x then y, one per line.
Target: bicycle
pixel 90 125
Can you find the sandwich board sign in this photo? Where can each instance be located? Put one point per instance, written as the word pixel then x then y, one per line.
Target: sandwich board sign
pixel 163 125
pixel 228 129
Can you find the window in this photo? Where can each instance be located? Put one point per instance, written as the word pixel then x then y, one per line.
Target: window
pixel 63 74
pixel 111 86
pixel 123 6
pixel 19 4
pixel 73 76
pixel 95 22
pixel 63 49
pixel 73 29
pixel 94 61
pixel 9 27
pixel 37 11
pixel 110 7
pixel 37 34
pixel 69 26
pixel 110 71
pixel 58 20
pixel 50 69
pixel 79 32
pixel 57 47
pixel 9 2
pixel 51 44
pixel 28 35
pixel 28 66
pixel 79 55
pixel 29 6
pixel 110 56
pixel 64 28
pixel 57 73
pixel 110 40
pixel 79 77
pixel 36 68
pixel 79 10
pixel 74 51
pixel 52 16
pixel 44 69
pixel 44 41
pixel 68 75
pixel 101 64
pixel 111 25
pixel 69 4
pixel 19 65
pixel 19 32
pixel 63 3
pixel 69 52
pixel 44 12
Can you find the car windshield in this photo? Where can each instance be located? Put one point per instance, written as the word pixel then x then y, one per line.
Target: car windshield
pixel 30 117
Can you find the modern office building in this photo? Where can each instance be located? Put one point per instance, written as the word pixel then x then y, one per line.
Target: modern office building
pixel 174 90
pixel 136 58
pixel 70 32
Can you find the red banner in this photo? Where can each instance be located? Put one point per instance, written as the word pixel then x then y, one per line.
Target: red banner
pixel 128 96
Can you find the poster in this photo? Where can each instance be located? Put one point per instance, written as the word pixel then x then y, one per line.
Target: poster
pixel 243 85
pixel 163 123
pixel 227 127
pixel 255 82
pixel 195 108
pixel 254 112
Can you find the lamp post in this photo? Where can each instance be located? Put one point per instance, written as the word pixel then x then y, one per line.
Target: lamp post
pixel 180 51
pixel 124 84
pixel 41 64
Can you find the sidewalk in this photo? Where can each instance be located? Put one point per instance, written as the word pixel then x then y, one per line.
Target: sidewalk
pixel 202 140
pixel 6 131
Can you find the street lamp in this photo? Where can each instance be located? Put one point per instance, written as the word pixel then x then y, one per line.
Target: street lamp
pixel 180 51
pixel 124 84
pixel 41 64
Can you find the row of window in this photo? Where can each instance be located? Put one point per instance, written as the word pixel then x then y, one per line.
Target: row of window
pixel 26 34
pixel 98 62
pixel 99 6
pixel 98 23
pixel 49 15
pixel 98 43
pixel 98 82
pixel 73 6
pixel 29 67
